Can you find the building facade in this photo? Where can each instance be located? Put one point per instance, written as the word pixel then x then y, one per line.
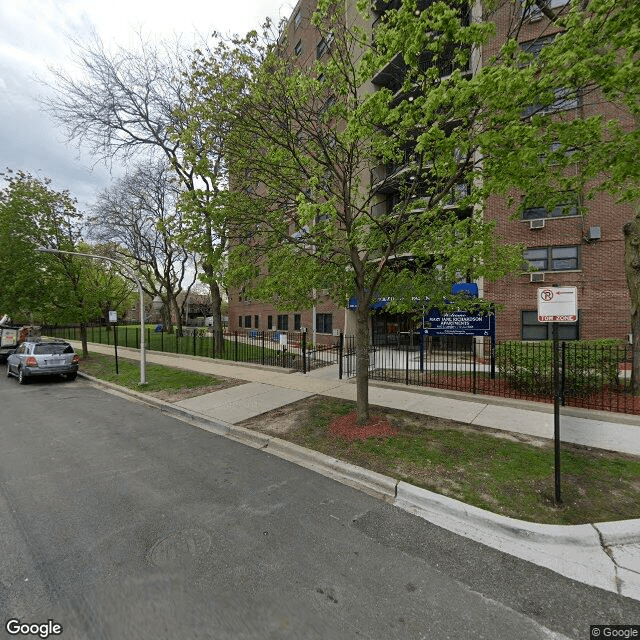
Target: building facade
pixel 580 244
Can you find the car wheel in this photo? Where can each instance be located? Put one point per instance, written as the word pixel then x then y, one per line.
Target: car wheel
pixel 21 377
pixel 71 376
pixel 8 370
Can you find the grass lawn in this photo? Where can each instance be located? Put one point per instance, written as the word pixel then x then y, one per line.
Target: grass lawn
pixel 159 378
pixel 503 473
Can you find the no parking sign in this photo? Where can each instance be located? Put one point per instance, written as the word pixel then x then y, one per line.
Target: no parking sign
pixel 558 304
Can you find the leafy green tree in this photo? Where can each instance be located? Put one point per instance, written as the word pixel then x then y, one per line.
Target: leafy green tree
pixel 307 213
pixel 48 287
pixel 32 214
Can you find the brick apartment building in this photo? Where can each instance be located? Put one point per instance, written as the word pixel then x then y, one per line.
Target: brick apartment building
pixel 567 248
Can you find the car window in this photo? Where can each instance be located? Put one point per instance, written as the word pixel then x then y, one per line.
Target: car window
pixel 54 349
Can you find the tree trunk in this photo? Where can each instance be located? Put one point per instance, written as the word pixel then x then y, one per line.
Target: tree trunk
pixel 632 271
pixel 216 313
pixel 175 307
pixel 83 339
pixel 166 319
pixel 362 362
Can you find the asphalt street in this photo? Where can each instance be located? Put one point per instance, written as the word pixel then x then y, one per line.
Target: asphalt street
pixel 117 521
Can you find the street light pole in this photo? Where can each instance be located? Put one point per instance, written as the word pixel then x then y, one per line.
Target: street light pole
pixel 143 354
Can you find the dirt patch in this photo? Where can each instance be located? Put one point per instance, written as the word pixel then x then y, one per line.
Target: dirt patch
pixel 283 420
pixel 175 395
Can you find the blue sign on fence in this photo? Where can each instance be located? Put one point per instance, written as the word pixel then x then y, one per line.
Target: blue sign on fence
pixel 459 323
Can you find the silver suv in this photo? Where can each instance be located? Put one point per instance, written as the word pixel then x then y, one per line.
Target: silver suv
pixel 38 357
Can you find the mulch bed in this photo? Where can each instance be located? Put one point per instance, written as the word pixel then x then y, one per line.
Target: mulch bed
pixel 347 427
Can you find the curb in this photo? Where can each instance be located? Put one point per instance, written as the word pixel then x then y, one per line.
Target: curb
pixel 593 554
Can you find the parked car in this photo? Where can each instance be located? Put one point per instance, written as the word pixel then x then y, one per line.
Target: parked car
pixel 40 357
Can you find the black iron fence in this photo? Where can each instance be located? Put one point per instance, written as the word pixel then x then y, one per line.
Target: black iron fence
pixel 593 374
pixel 289 350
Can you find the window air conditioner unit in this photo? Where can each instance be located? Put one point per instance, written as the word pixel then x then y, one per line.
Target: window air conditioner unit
pixel 536 224
pixel 594 233
pixel 536 277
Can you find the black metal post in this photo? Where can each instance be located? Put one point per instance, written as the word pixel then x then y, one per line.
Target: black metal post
pixel 340 353
pixel 556 410
pixel 235 352
pixel 493 357
pixel 406 372
pixel 115 346
pixel 194 342
pixel 304 352
pixel 563 372
pixel 475 367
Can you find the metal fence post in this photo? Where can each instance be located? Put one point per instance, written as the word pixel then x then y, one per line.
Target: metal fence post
pixel 406 376
pixel 475 367
pixel 235 351
pixel 340 353
pixel 304 352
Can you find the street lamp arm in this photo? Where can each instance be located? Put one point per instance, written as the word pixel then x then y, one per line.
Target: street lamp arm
pixel 143 355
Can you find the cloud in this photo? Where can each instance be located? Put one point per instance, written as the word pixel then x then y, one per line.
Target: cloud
pixel 39 34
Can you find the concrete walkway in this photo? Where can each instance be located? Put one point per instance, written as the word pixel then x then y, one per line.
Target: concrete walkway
pixel 605 555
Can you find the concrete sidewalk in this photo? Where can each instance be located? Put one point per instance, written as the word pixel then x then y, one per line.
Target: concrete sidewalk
pixel 605 555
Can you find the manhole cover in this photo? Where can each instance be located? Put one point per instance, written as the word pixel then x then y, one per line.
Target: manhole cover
pixel 180 548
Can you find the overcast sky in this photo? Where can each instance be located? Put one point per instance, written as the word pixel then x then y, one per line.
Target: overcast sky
pixel 35 35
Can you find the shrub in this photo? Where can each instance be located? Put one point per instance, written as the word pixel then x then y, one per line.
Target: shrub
pixel 589 365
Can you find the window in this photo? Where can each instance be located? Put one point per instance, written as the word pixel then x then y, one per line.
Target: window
pixel 256 322
pixel 532 11
pixel 324 45
pixel 324 323
pixel 240 321
pixel 283 323
pixel 297 321
pixel 458 192
pixel 565 99
pixel 298 48
pixel 269 322
pixel 534 330
pixel 553 258
pixel 51 349
pixel 247 321
pixel 569 207
pixel 534 47
pixel 297 19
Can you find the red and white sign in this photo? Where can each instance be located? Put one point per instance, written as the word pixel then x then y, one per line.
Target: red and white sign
pixel 558 304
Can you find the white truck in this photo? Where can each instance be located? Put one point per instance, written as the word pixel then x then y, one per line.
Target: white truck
pixel 8 338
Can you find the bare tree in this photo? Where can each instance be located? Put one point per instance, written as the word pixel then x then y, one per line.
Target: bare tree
pixel 125 103
pixel 138 215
